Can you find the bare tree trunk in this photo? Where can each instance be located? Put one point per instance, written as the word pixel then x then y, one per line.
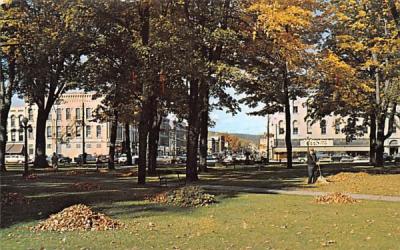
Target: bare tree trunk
pixel 372 140
pixel 40 154
pixel 380 139
pixel 113 139
pixel 128 144
pixel 193 132
pixel 204 115
pixel 153 145
pixel 288 134
pixel 144 12
pixel 3 135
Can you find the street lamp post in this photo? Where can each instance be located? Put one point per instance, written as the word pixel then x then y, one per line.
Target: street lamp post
pixel 25 127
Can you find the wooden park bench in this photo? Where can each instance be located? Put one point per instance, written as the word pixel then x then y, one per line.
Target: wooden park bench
pixel 163 177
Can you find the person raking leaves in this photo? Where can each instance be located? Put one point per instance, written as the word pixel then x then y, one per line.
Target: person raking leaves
pixel 312 162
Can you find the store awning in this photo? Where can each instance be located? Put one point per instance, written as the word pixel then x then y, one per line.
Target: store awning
pixel 15 149
pixel 325 149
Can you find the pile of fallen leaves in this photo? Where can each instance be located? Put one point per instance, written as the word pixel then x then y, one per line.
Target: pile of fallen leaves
pixel 77 218
pixel 189 196
pixel 344 177
pixel 85 186
pixel 336 198
pixel 12 198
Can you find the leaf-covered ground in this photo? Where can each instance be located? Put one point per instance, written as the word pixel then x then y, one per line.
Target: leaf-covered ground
pixel 254 221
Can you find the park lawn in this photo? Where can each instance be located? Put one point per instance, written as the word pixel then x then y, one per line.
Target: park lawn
pixel 246 221
pixel 386 184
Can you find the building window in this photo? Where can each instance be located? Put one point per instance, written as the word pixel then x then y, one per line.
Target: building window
pixel 78 145
pixel 30 135
pixel 69 131
pixel 30 114
pixel 31 149
pixel 88 113
pixel 20 136
pixel 78 114
pixel 68 114
pixel 295 109
pixel 394 128
pixel 281 130
pixel 68 145
pixel 309 127
pixel 58 131
pixel 48 146
pixel 88 132
pixel 49 117
pixel 119 133
pixel 295 128
pixel 48 132
pixel 98 131
pixel 13 135
pixel 12 121
pixel 98 145
pixel 88 145
pixel 58 114
pixel 323 127
pixel 78 131
pixel 337 128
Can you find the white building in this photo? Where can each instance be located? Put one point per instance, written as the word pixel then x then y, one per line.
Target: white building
pixel 324 136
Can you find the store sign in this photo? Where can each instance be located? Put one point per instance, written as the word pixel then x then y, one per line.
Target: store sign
pixel 316 143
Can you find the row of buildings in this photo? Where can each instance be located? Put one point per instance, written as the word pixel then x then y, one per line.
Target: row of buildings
pixel 325 136
pixel 72 129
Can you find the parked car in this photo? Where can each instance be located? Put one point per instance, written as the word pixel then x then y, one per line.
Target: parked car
pixel 89 159
pixel 337 157
pixel 123 158
pixel 302 159
pixel 396 158
pixel 212 160
pixel 347 158
pixel 387 157
pixel 324 158
pixel 228 159
pixel 164 159
pixel 361 158
pixel 182 158
pixel 14 159
pixel 64 159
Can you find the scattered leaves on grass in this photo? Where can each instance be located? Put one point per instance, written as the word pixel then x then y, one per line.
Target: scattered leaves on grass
pixel 77 218
pixel 128 174
pixel 12 198
pixel 85 186
pixel 189 196
pixel 31 177
pixel 337 198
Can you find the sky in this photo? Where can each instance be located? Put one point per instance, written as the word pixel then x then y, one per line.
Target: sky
pixel 224 122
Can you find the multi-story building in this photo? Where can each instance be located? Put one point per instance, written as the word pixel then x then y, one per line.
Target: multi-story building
pixel 325 135
pixel 71 126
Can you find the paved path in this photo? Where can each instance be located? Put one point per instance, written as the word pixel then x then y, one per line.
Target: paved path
pixel 297 192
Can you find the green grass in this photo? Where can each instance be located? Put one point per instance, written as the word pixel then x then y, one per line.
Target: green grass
pixel 238 222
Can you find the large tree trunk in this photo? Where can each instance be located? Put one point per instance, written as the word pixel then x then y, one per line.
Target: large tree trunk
pixel 113 140
pixel 380 139
pixel 3 135
pixel 40 154
pixel 288 134
pixel 204 115
pixel 154 136
pixel 144 13
pixel 193 132
pixel 372 140
pixel 128 144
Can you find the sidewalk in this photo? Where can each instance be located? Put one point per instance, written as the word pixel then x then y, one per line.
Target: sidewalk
pixel 297 192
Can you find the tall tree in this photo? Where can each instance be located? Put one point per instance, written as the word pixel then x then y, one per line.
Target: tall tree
pixel 281 51
pixel 49 59
pixel 364 38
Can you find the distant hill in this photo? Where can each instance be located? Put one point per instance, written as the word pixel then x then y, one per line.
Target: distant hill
pixel 246 137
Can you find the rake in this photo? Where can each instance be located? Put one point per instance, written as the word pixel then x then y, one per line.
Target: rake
pixel 321 178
